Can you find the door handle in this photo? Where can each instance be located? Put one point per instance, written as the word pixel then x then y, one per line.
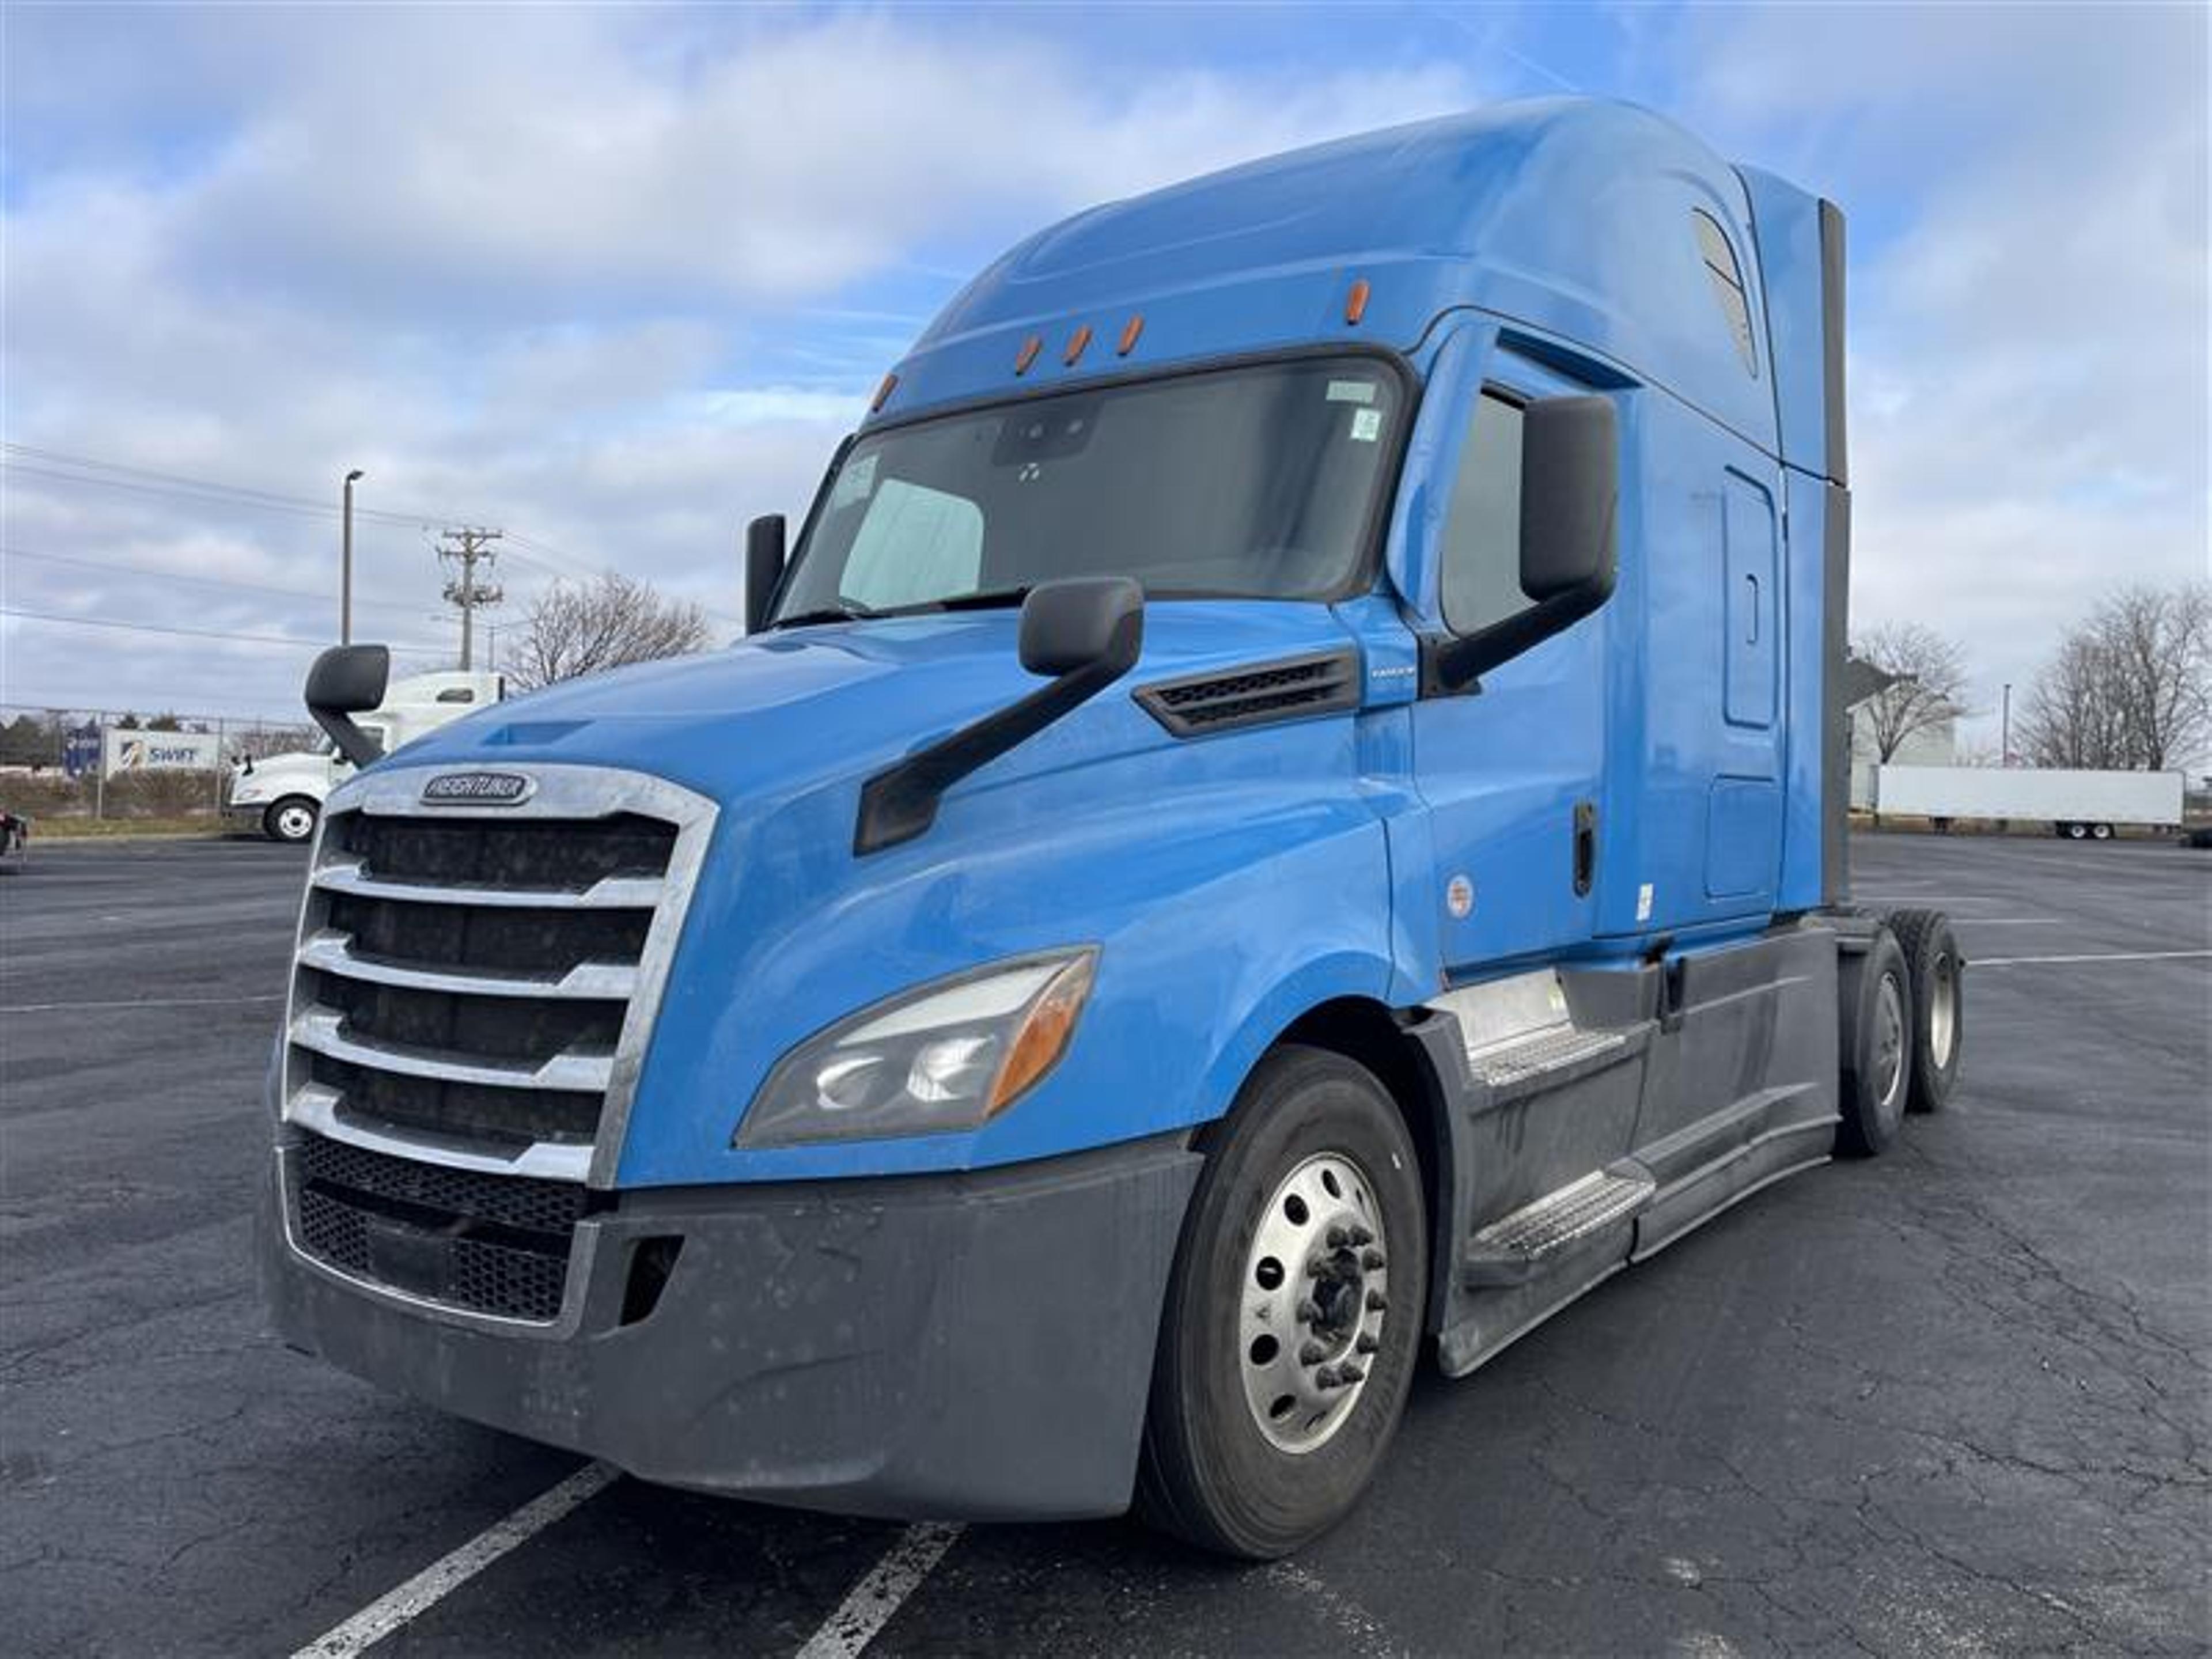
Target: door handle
pixel 1585 847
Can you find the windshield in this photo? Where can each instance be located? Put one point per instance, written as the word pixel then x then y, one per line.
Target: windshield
pixel 1251 483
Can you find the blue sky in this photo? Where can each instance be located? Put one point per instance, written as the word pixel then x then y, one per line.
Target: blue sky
pixel 618 279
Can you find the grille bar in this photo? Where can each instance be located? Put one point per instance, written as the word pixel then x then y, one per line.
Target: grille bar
pixel 333 952
pixel 322 1030
pixel 351 875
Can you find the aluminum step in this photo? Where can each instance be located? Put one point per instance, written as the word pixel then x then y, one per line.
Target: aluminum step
pixel 1515 1247
pixel 1555 1049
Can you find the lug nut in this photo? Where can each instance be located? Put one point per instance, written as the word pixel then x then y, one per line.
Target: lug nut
pixel 1312 1353
pixel 1370 1258
pixel 1367 1343
pixel 1376 1302
pixel 1339 1237
pixel 1360 1235
pixel 1324 1378
pixel 1349 1373
pixel 1309 1312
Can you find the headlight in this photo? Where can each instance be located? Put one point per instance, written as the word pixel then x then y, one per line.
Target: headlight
pixel 948 1056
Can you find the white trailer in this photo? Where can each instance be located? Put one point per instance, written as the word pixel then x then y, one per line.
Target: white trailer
pixel 2080 805
pixel 282 795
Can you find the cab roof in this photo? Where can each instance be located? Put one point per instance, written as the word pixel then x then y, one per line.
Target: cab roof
pixel 1572 219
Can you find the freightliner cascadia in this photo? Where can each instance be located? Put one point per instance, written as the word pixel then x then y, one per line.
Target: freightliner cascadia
pixel 1284 815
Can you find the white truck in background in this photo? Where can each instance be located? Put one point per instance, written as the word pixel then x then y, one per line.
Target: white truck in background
pixel 2077 804
pixel 283 795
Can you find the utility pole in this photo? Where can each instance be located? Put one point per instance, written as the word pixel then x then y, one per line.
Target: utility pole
pixel 345 564
pixel 467 548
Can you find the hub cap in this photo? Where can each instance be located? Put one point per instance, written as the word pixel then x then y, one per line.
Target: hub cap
pixel 1942 1010
pixel 1313 1298
pixel 295 823
pixel 1889 1045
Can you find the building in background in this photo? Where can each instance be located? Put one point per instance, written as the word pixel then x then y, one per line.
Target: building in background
pixel 1933 744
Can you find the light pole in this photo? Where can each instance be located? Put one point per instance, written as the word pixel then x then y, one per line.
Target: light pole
pixel 2004 742
pixel 345 565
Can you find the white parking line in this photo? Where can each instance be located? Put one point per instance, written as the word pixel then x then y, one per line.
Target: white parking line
pixel 442 1576
pixel 139 1002
pixel 1980 962
pixel 869 1605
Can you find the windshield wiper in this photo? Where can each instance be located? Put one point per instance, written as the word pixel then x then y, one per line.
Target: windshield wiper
pixel 827 613
pixel 990 600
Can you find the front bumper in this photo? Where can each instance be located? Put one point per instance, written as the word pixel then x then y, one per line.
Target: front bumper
pixel 973 1347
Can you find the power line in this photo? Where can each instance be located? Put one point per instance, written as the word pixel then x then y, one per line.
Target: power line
pixel 185 632
pixel 203 581
pixel 43 463
pixel 468 548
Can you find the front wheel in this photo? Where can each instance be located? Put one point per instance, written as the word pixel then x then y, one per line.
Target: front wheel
pixel 1293 1320
pixel 291 820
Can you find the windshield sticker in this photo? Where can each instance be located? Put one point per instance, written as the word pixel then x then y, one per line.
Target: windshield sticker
pixel 854 483
pixel 1352 392
pixel 1366 425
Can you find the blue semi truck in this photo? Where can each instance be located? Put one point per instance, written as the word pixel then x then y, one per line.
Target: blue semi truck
pixel 1284 814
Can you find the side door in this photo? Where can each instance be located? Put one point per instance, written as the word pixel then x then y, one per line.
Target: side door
pixel 1511 767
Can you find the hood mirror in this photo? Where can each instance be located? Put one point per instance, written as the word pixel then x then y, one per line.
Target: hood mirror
pixel 348 680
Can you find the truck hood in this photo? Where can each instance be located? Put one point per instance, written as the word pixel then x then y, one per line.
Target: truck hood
pixel 776 716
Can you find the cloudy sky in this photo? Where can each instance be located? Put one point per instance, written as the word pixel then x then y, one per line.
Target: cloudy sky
pixel 616 280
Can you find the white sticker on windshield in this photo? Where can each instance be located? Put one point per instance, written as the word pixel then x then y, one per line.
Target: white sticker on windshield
pixel 1352 392
pixel 1366 425
pixel 854 482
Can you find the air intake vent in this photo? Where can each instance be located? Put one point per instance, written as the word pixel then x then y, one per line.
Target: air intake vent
pixel 1266 692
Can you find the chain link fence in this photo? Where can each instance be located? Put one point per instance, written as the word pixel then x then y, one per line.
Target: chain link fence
pixel 113 763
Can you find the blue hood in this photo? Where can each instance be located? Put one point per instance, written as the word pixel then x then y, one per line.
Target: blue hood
pixel 779 715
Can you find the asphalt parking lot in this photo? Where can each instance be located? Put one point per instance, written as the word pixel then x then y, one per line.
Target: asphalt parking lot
pixel 1955 1400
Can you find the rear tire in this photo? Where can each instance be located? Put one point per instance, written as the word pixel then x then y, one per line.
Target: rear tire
pixel 291 820
pixel 1938 1004
pixel 1876 1003
pixel 1250 1448
pixel 2100 832
pixel 2075 831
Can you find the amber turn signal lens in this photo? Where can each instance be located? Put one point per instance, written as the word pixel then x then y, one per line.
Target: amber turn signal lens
pixel 1076 343
pixel 1355 303
pixel 884 392
pixel 1130 331
pixel 1028 354
pixel 1042 1039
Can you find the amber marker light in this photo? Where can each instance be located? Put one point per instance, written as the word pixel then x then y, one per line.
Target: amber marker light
pixel 884 392
pixel 1042 1039
pixel 1027 355
pixel 1355 303
pixel 1130 331
pixel 1077 343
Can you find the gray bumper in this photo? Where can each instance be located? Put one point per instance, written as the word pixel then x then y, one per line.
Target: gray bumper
pixel 973 1347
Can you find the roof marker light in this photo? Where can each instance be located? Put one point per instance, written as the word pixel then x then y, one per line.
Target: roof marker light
pixel 1355 303
pixel 1076 342
pixel 1130 331
pixel 1027 356
pixel 884 392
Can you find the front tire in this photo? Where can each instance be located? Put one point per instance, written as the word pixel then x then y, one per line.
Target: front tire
pixel 291 820
pixel 1293 1319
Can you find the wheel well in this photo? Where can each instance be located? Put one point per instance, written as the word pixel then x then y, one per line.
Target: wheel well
pixel 1368 1033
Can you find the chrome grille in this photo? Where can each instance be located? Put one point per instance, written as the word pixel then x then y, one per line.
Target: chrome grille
pixel 475 983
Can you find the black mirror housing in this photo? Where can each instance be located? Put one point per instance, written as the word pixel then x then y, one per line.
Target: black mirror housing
pixel 1085 633
pixel 1073 625
pixel 1570 496
pixel 764 561
pixel 1570 553
pixel 348 680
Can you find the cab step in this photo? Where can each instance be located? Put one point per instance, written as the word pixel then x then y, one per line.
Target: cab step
pixel 1515 1248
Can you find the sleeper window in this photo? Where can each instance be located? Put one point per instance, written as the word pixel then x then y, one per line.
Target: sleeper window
pixel 1728 285
pixel 1481 582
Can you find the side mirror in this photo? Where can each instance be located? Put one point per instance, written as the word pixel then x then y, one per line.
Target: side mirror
pixel 1083 622
pixel 1569 501
pixel 348 680
pixel 1085 633
pixel 1569 492
pixel 764 556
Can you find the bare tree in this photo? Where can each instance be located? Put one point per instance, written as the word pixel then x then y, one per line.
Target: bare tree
pixel 1928 685
pixel 2130 689
pixel 574 628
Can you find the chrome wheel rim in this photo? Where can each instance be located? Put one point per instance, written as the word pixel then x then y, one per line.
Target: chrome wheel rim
pixel 295 823
pixel 1314 1297
pixel 1889 1045
pixel 1942 1010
